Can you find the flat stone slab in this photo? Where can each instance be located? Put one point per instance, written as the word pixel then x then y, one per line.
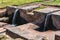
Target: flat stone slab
pixel 27 7
pixel 56 13
pixel 23 33
pixel 28 26
pixel 48 10
pixel 30 33
pixel 30 7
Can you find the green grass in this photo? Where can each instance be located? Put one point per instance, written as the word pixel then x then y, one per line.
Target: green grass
pixel 41 7
pixel 57 2
pixel 19 2
pixel 15 2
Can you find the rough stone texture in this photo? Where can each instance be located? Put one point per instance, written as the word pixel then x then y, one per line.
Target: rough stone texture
pixel 37 15
pixel 31 34
pixel 25 34
pixel 57 35
pixel 2 24
pixel 4 19
pixel 2 12
pixel 10 11
pixel 24 14
pixel 30 7
pixel 2 30
pixel 29 16
pixel 27 31
pixel 28 26
pixel 12 35
pixel 56 19
pixel 48 10
pixel 40 14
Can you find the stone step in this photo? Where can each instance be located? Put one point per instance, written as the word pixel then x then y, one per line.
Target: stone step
pixel 25 8
pixel 28 26
pixel 26 32
pixel 21 31
pixel 24 35
pixel 54 16
pixel 47 10
pixel 31 7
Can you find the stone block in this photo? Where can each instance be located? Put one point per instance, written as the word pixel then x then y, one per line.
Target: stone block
pixel 48 10
pixel 25 34
pixel 28 16
pixel 31 34
pixel 4 19
pixel 56 19
pixel 30 7
pixel 41 16
pixel 57 35
pixel 10 10
pixel 2 24
pixel 2 12
pixel 28 26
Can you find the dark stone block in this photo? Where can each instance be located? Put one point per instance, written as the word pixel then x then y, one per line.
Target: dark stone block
pixel 56 19
pixel 57 37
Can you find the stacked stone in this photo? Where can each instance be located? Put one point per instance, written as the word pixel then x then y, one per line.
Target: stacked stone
pixel 2 12
pixel 40 16
pixel 27 31
pixel 23 11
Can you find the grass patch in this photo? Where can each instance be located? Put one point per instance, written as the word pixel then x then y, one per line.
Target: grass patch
pixel 19 2
pixel 56 2
pixel 15 2
pixel 41 7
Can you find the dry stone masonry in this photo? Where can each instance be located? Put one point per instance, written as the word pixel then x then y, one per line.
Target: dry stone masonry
pixel 31 22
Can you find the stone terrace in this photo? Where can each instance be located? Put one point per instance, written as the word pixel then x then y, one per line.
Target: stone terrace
pixel 27 31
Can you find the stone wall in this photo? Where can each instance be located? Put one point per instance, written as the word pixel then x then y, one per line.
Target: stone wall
pixel 24 14
pixel 37 17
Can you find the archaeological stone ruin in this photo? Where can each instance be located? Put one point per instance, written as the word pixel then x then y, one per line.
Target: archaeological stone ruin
pixel 29 23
